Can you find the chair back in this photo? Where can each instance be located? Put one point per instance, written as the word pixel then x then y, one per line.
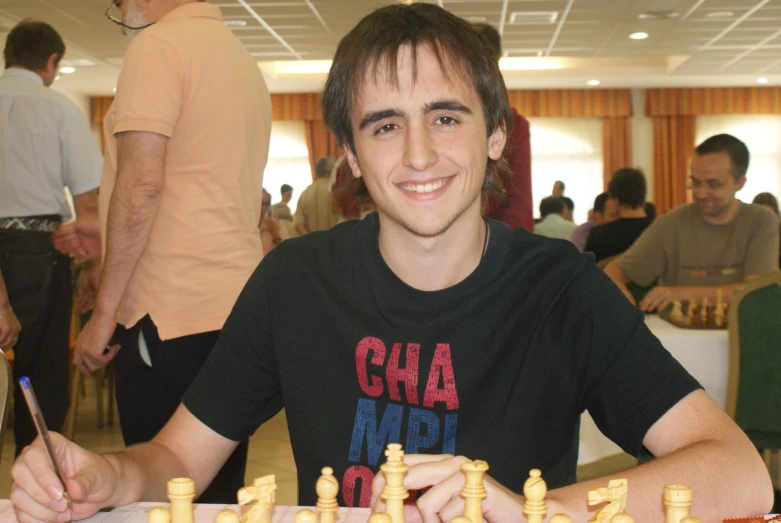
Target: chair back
pixel 754 393
pixel 6 391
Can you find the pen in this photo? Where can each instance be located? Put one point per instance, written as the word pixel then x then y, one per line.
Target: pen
pixel 40 425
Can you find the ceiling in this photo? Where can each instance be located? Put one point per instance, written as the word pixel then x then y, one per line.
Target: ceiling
pixel 548 43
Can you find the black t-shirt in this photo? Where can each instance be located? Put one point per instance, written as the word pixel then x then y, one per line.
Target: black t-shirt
pixel 615 237
pixel 498 367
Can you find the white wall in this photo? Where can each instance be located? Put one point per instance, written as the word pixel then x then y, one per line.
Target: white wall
pixel 642 139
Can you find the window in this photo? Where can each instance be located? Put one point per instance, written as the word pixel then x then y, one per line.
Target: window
pixel 288 161
pixel 762 135
pixel 570 150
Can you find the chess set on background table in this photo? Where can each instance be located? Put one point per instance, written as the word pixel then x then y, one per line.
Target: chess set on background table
pixel 258 502
pixel 703 315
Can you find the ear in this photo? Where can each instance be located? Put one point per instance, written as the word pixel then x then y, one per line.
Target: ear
pixel 740 182
pixel 496 143
pixel 352 160
pixel 52 62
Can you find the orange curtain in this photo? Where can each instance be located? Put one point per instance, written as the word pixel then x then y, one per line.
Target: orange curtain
pixel 296 106
pixel 572 103
pixel 673 144
pixel 728 100
pixel 616 145
pixel 320 141
pixel 100 106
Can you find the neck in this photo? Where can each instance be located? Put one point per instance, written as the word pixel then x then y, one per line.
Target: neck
pixel 724 217
pixel 628 212
pixel 434 263
pixel 19 67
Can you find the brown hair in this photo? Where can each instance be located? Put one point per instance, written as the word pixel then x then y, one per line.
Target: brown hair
pixel 30 44
pixel 372 47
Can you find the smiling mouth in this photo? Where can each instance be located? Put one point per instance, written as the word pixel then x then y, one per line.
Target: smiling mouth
pixel 423 188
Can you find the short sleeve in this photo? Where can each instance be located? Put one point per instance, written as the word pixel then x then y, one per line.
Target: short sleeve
pixel 238 387
pixel 629 379
pixel 150 87
pixel 81 158
pixel 646 259
pixel 762 253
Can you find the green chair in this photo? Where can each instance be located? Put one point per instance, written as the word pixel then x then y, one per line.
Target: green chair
pixel 754 393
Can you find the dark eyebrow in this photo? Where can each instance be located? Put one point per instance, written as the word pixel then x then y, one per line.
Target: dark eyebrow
pixel 377 116
pixel 447 105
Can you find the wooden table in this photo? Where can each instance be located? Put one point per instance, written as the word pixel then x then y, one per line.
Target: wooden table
pixel 704 353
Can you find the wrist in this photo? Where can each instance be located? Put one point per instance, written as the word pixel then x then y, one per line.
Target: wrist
pixel 119 496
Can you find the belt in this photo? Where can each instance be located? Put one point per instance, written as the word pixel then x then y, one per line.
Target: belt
pixel 31 223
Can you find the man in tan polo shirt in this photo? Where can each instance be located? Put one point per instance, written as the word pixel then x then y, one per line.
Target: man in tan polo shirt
pixel 186 137
pixel 313 210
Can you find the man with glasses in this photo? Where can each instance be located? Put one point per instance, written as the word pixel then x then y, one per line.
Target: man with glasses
pixel 714 244
pixel 46 146
pixel 180 204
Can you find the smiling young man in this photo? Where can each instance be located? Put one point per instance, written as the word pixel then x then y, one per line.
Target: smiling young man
pixel 427 325
pixel 712 245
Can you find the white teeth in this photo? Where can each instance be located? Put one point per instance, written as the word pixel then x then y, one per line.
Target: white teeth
pixel 422 189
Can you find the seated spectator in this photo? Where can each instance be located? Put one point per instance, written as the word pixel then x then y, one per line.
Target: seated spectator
pixel 271 231
pixel 769 201
pixel 605 210
pixel 650 210
pixel 569 208
pixel 628 188
pixel 553 224
pixel 558 189
pixel 714 244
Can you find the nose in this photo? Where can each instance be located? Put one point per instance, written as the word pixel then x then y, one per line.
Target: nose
pixel 420 152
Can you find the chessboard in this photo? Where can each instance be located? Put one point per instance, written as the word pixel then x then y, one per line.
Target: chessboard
pixel 693 315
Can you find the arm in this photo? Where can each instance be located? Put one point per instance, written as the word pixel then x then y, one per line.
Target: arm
pixel 132 209
pixel 301 229
pixel 9 324
pixel 184 448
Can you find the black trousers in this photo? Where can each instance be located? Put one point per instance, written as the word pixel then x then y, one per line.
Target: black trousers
pixel 40 290
pixel 148 396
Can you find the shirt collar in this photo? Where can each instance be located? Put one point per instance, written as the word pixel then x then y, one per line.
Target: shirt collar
pixel 553 217
pixel 18 72
pixel 194 10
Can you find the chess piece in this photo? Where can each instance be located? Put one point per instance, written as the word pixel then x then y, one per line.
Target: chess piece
pixel 379 517
pixel 305 516
pixel 690 311
pixel 261 495
pixel 677 500
pixel 327 488
pixel 181 492
pixel 461 519
pixel 677 313
pixel 473 491
pixel 615 494
pixel 560 518
pixel 226 515
pixel 534 490
pixel 718 314
pixel 158 515
pixel 704 311
pixel 394 493
pixel 690 519
pixel 622 517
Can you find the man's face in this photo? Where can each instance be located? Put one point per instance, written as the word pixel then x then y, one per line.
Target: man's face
pixel 558 190
pixel 287 196
pixel 712 184
pixel 421 147
pixel 609 214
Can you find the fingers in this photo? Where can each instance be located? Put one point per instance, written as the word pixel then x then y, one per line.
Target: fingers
pixel 28 509
pixel 442 502
pixel 37 493
pixel 653 299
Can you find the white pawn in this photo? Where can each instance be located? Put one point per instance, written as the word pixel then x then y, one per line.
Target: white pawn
pixel 622 517
pixel 534 490
pixel 158 515
pixel 327 488
pixel 226 515
pixel 379 517
pixel 560 518
pixel 181 492
pixel 305 516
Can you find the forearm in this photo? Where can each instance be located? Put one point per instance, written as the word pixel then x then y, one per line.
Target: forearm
pixel 132 211
pixel 142 473
pixel 747 493
pixel 86 205
pixel 4 301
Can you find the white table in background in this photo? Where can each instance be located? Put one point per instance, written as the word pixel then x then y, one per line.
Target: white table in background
pixel 704 353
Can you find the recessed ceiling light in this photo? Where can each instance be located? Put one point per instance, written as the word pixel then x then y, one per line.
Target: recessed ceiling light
pixel 67 70
pixel 57 77
pixel 762 80
pixel 638 36
pixel 658 15
pixel 235 23
pixel 719 15
pixel 593 82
